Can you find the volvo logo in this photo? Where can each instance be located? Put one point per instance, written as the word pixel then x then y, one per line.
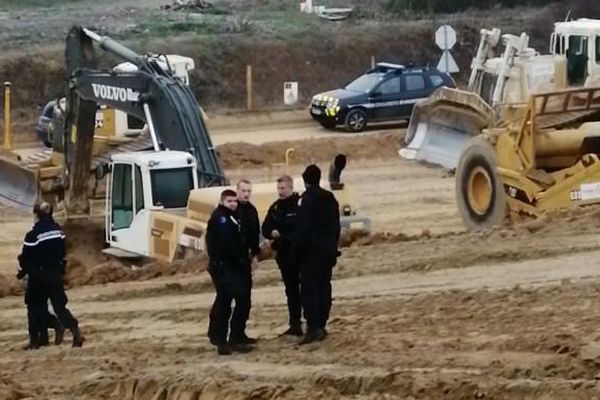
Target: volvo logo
pixel 114 93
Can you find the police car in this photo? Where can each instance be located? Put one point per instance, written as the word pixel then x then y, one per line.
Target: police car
pixel 385 93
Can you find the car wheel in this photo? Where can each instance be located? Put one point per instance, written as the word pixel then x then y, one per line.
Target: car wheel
pixel 328 124
pixel 356 120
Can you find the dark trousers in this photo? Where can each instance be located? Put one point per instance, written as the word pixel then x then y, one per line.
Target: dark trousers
pixel 315 290
pixel 234 286
pixel 38 321
pixel 39 318
pixel 290 274
pixel 41 287
pixel 58 298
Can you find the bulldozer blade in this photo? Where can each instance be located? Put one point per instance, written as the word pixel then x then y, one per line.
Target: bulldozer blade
pixel 440 145
pixel 18 185
pixel 441 126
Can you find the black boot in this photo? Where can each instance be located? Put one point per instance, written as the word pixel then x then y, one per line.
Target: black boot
pixel 59 334
pixel 245 339
pixel 43 339
pixel 242 339
pixel 241 347
pixel 294 330
pixel 78 339
pixel 59 330
pixel 32 345
pixel 224 350
pixel 312 336
pixel 324 334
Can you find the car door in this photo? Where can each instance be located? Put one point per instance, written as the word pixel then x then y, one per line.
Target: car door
pixel 415 89
pixel 385 99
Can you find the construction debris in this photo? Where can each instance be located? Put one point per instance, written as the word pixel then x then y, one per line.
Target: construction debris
pixel 332 14
pixel 188 5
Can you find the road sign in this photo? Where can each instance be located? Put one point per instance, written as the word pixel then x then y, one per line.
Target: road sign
pixel 445 37
pixel 447 63
pixel 290 93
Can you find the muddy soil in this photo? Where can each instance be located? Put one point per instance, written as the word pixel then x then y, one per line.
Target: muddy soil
pixel 422 309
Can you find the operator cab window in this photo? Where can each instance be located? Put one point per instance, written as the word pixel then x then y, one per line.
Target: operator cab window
pixel 577 59
pixel 559 44
pixel 122 197
pixel 139 190
pixel 597 49
pixel 171 187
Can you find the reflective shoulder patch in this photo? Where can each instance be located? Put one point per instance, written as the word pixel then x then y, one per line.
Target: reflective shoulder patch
pixel 223 220
pixel 42 237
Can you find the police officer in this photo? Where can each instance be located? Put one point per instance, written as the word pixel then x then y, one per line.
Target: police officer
pixel 316 250
pixel 249 218
pixel 250 223
pixel 43 255
pixel 229 266
pixel 279 226
pixel 36 300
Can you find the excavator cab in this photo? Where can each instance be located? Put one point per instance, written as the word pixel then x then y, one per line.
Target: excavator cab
pixel 138 185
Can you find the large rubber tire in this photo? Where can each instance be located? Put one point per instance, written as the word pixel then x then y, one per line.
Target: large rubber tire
pixel 479 190
pixel 356 120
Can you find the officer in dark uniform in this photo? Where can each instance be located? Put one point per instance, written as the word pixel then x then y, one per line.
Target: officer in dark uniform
pixel 248 217
pixel 37 302
pixel 279 226
pixel 43 256
pixel 316 250
pixel 229 267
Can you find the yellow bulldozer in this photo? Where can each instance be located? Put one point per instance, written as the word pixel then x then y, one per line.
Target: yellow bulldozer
pixel 524 137
pixel 441 126
pixel 524 169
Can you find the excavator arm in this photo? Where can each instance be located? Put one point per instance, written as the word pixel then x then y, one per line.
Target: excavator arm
pixel 151 94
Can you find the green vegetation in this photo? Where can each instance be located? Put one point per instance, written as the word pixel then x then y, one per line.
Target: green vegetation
pixel 203 24
pixel 452 6
pixel 35 3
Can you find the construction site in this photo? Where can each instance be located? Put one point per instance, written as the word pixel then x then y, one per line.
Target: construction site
pixel 470 233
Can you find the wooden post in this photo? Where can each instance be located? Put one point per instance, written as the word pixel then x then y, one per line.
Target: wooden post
pixel 7 133
pixel 249 104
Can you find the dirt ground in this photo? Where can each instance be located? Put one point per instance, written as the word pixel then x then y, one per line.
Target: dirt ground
pixel 422 309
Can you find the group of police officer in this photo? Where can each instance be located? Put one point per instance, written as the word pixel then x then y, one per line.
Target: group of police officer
pixel 303 230
pixel 42 263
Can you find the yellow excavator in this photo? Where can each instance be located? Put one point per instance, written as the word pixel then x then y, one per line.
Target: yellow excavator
pixel 158 200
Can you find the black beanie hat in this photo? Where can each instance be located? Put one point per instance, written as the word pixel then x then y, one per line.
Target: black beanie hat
pixel 312 175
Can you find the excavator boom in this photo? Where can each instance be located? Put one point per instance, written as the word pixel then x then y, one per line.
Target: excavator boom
pixel 151 94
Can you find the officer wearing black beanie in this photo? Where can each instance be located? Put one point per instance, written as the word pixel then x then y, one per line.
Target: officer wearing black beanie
pixel 316 248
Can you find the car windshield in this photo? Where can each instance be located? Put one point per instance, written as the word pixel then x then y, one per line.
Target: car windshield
pixel 171 187
pixel 365 83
